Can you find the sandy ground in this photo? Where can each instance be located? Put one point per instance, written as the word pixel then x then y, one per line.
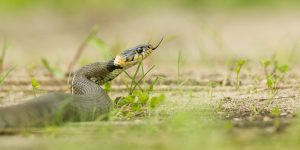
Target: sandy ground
pixel 228 101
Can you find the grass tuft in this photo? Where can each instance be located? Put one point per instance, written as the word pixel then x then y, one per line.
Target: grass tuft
pixel 35 86
pixel 237 69
pixel 274 74
pixel 139 102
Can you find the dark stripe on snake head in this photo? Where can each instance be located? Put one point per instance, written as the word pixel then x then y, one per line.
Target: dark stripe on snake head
pixel 111 67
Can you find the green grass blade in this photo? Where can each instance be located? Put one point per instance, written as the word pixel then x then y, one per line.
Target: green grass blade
pixel 142 78
pixel 3 77
pixel 2 57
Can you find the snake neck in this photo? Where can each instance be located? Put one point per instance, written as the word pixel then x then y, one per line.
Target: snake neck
pixel 99 73
pixel 112 72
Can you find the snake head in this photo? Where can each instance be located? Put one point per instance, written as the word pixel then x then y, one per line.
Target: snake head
pixel 132 56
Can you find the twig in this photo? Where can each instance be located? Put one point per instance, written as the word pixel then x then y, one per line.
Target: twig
pixel 92 34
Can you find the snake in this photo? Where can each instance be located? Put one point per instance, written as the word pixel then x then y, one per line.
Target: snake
pixel 87 99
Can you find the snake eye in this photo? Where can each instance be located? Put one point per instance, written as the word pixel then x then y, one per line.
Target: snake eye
pixel 140 50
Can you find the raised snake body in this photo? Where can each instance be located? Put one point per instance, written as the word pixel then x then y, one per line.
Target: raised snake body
pixel 87 101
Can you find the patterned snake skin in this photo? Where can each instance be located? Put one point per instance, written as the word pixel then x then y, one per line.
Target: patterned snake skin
pixel 87 101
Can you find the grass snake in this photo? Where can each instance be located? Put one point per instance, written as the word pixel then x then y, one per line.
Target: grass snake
pixel 87 100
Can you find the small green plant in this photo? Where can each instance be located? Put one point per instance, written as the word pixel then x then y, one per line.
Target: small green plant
pixel 272 86
pixel 4 75
pixel 134 82
pixel 266 64
pixel 254 86
pixel 274 77
pixel 107 87
pixel 138 102
pixel 2 57
pixel 237 69
pixel 52 70
pixel 275 111
pixel 283 70
pixel 35 86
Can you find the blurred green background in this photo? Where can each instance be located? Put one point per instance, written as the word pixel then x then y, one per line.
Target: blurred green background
pixel 73 6
pixel 208 32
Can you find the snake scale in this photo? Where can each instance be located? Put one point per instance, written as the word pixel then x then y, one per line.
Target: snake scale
pixel 87 100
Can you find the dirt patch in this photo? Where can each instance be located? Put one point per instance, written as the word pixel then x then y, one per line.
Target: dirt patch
pixel 248 106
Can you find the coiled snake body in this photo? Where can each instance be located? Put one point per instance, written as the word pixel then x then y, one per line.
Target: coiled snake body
pixel 87 101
